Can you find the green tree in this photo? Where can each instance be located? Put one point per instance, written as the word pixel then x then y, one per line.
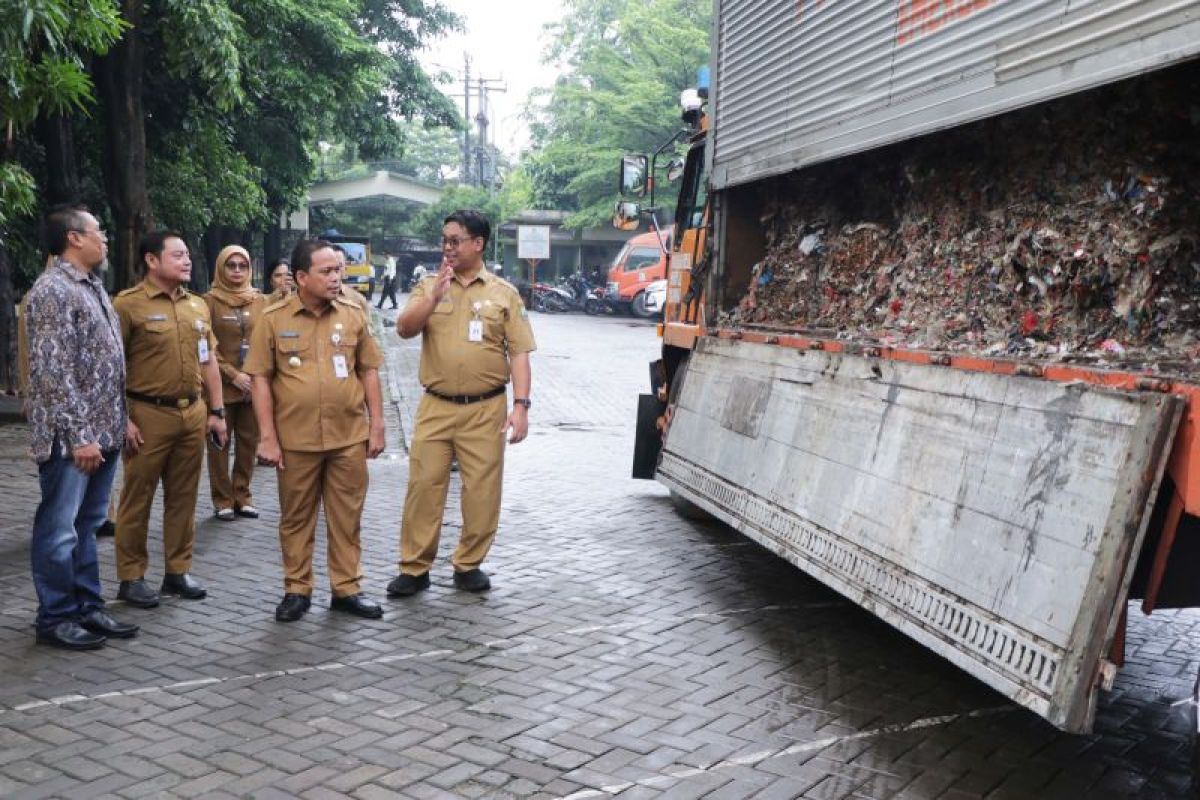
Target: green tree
pixel 515 194
pixel 623 64
pixel 43 50
pixel 217 106
pixel 43 47
pixel 431 152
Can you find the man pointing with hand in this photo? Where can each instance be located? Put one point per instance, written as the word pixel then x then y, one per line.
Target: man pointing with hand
pixel 475 335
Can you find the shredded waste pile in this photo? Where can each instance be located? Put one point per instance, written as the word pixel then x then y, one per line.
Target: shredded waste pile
pixel 1066 231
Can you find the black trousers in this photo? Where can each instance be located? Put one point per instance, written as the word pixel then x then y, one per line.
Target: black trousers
pixel 388 292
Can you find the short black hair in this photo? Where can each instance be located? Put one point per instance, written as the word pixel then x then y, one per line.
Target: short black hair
pixel 302 253
pixel 58 222
pixel 340 249
pixel 275 264
pixel 474 221
pixel 155 241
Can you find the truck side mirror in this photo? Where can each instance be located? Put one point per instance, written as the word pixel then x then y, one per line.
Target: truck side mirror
pixel 627 217
pixel 634 170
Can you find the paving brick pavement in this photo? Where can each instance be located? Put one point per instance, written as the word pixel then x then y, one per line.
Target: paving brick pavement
pixel 623 652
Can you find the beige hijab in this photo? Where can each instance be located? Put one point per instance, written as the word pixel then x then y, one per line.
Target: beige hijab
pixel 226 292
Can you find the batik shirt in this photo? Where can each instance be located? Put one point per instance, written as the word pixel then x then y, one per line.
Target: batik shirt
pixel 76 364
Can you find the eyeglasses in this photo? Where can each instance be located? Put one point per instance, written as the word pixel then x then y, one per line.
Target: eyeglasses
pixel 99 232
pixel 236 265
pixel 454 241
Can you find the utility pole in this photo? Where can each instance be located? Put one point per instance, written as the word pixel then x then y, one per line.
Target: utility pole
pixel 466 171
pixel 475 157
pixel 483 152
pixel 481 120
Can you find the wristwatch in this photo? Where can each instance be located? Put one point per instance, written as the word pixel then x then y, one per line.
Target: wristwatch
pixel 219 413
pixel 523 401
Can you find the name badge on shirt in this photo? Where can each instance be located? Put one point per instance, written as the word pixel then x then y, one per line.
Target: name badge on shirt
pixel 339 366
pixel 475 331
pixel 203 350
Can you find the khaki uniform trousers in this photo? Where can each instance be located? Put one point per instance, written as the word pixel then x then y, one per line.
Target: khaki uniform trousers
pixel 173 452
pixel 475 434
pixel 234 492
pixel 338 479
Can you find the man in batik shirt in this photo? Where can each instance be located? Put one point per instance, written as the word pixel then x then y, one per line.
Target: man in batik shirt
pixel 76 410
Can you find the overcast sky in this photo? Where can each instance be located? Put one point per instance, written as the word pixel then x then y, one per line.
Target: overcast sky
pixel 505 42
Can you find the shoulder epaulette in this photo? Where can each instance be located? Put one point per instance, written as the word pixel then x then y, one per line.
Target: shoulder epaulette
pixel 130 290
pixel 278 304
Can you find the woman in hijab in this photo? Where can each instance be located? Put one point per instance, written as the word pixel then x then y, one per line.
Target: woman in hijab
pixel 235 307
pixel 281 281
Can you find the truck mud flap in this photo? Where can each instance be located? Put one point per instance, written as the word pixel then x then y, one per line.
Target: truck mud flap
pixel 994 519
pixel 648 440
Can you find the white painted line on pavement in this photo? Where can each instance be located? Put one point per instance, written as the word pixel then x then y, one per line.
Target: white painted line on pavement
pixel 616 626
pixel 751 759
pixel 73 699
pixel 395 657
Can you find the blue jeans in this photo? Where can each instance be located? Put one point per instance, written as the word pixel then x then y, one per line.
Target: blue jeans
pixel 66 573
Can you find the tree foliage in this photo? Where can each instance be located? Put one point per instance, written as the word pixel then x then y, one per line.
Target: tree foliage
pixel 514 195
pixel 623 64
pixel 43 49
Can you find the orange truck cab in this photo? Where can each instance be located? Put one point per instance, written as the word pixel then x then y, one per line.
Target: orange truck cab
pixel 642 261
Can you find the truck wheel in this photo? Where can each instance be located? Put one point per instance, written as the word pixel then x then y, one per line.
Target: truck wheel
pixel 593 306
pixel 638 307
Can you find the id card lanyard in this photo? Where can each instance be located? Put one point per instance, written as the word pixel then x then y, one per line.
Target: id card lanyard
pixel 202 344
pixel 340 368
pixel 475 326
pixel 244 347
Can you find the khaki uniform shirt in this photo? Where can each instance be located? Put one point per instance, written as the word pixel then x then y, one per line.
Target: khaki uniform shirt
pixel 451 363
pixel 162 337
pixel 315 410
pixel 233 326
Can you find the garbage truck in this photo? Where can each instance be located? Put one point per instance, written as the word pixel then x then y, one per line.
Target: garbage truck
pixel 932 330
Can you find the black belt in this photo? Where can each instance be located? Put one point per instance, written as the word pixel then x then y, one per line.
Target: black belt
pixel 171 402
pixel 465 399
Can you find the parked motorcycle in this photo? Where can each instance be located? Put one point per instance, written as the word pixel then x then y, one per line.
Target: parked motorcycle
pixel 597 302
pixel 551 299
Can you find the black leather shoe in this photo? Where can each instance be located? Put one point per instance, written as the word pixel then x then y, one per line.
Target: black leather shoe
pixel 357 605
pixel 249 512
pixel 70 636
pixel 472 580
pixel 292 607
pixel 183 585
pixel 138 593
pixel 107 528
pixel 407 585
pixel 98 621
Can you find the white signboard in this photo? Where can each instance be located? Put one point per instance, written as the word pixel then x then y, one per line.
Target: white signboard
pixel 533 241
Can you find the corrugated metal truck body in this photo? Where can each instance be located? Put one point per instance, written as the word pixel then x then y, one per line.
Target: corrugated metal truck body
pixel 798 82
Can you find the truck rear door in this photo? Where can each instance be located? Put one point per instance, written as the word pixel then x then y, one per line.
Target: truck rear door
pixel 993 518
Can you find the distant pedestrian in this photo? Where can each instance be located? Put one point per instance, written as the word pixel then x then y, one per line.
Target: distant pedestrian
pixel 235 307
pixel 169 346
pixel 319 403
pixel 475 334
pixel 389 282
pixel 75 402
